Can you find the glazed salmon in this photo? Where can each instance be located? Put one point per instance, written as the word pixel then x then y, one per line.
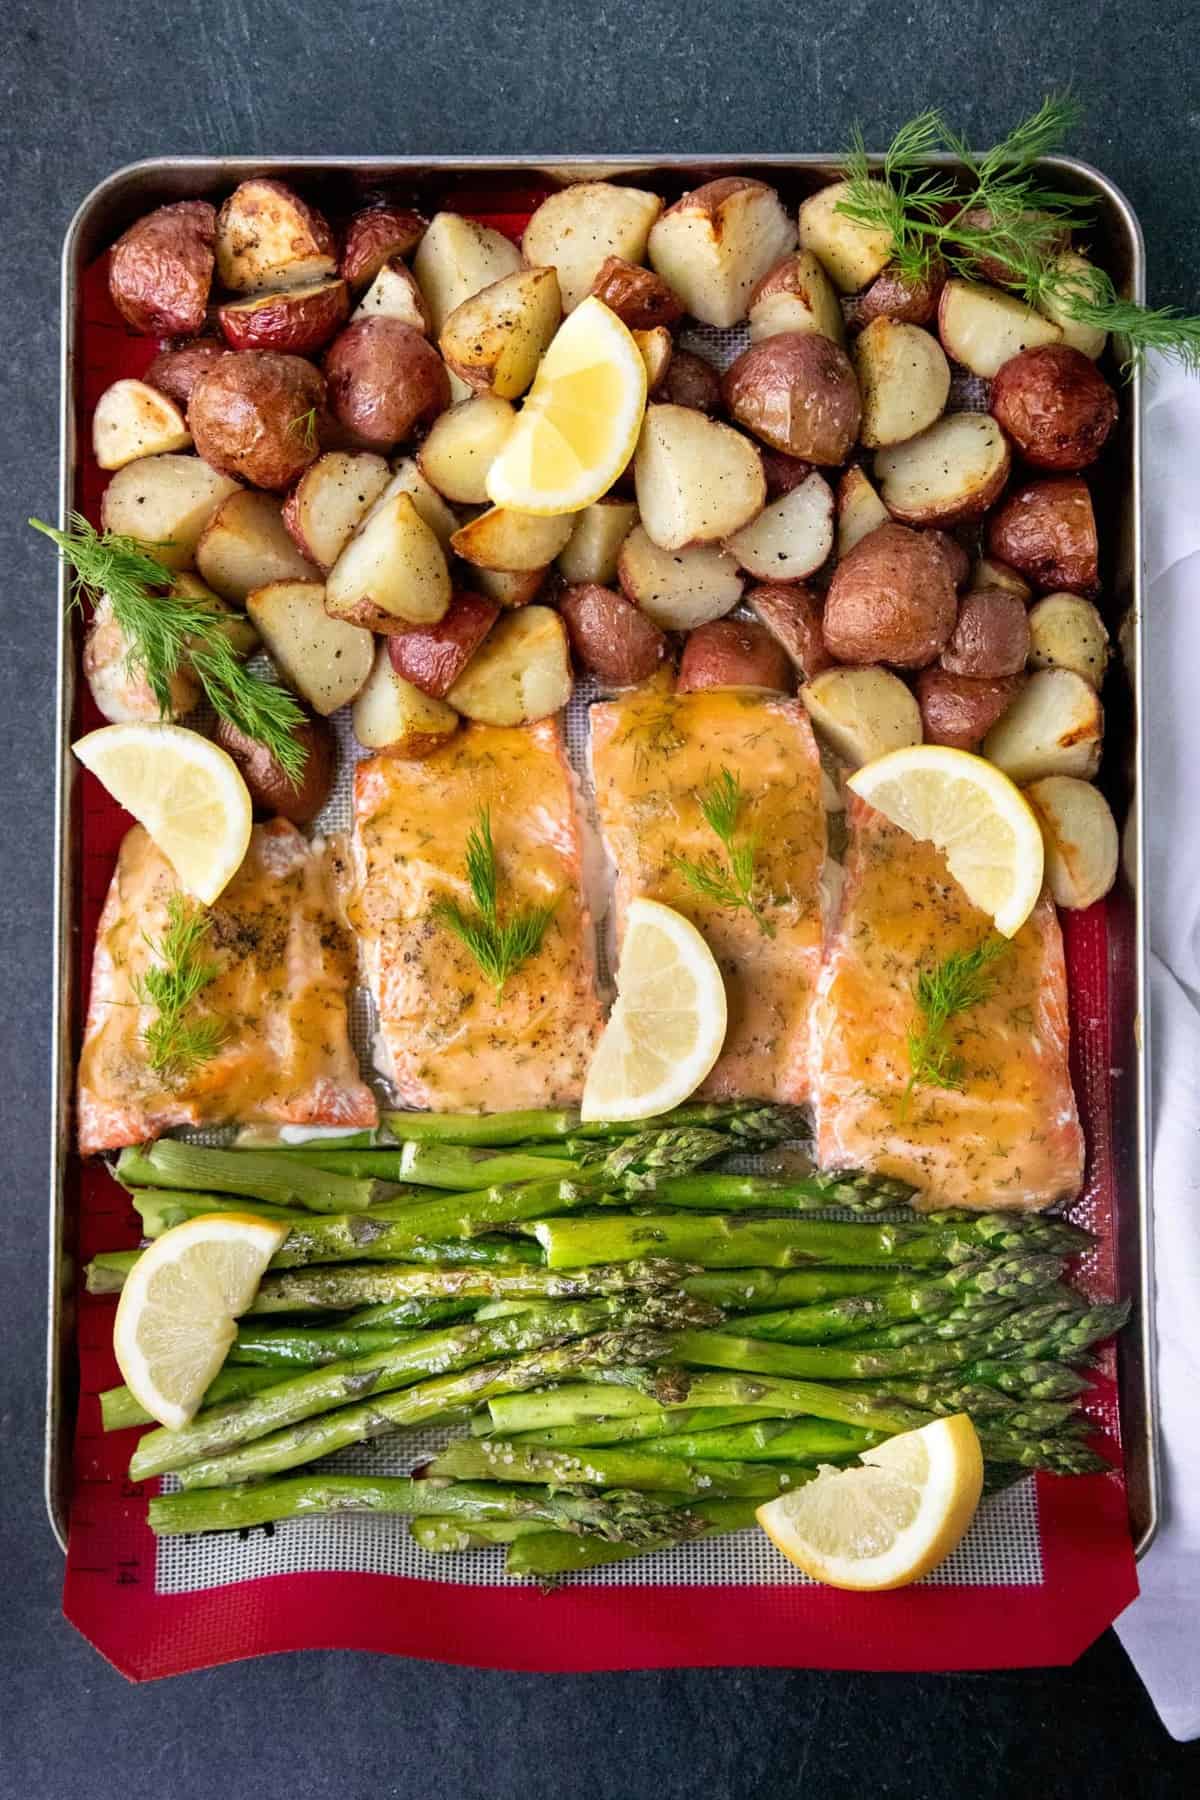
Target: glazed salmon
pixel 1010 1137
pixel 285 963
pixel 652 754
pixel 445 1039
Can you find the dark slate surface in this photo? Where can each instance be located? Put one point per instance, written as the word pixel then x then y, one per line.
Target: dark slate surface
pixel 87 87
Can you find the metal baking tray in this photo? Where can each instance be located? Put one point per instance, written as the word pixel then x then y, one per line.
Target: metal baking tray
pixel 337 183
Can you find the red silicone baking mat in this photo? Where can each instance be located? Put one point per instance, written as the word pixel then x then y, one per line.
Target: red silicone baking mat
pixel 1046 1566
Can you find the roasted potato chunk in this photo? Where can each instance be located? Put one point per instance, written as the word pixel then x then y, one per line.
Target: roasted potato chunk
pixel 715 245
pixel 791 537
pixel 678 589
pixel 991 637
pixel 690 381
pixel 1066 632
pixel 120 690
pixel 175 372
pixel 385 381
pixel 981 328
pixel 1080 836
pixel 797 392
pixel 433 657
pixel 408 479
pixel 391 714
pixel 133 419
pixel 392 574
pixel 891 601
pixel 496 339
pixel 522 672
pixel 590 554
pixel 904 381
pixel 576 230
pixel 324 659
pixel 639 298
pixel 859 509
pixel 697 481
pixel 462 445
pixel 394 294
pixel 160 270
pixel 909 301
pixel 953 471
pixel 1047 531
pixel 256 416
pixel 373 237
pixel 245 545
pixel 512 541
pixel 1055 726
pixel 861 713
pixel 796 295
pixel 851 253
pixel 267 236
pixel 164 502
pixel 792 614
pixel 271 788
pixel 1055 406
pixel 455 259
pixel 733 653
pixel 330 501
pixel 960 710
pixel 297 320
pixel 610 636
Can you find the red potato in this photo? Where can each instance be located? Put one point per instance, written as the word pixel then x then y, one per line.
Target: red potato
pixel 330 501
pixel 715 245
pixel 272 790
pixel 797 392
pixel 119 688
pixel 1055 726
pixel 691 381
pixel 791 537
pixel 509 588
pixel 253 416
pixel 1075 277
pixel 894 296
pixel 988 573
pixel 639 298
pixel 433 657
pixel 796 295
pixel 678 589
pixel 267 236
pixel 656 348
pixel 520 674
pixel 860 714
pixel 394 294
pixel 610 636
pixel 697 481
pixel 176 372
pixel 953 471
pixel 851 253
pixel 495 340
pixel 1055 405
pixel 245 545
pixel 1054 235
pixel 511 541
pixel 392 715
pixel 407 478
pixel 590 556
pixel 958 710
pixel 160 270
pixel 575 230
pixel 783 472
pixel 324 659
pixel 164 502
pixel 891 601
pixel 1047 531
pixel 462 445
pixel 904 381
pixel 133 419
pixel 385 381
pixel 792 615
pixel 456 258
pixel 859 509
pixel 373 237
pixel 299 320
pixel 733 653
pixel 981 328
pixel 392 574
pixel 1080 835
pixel 1066 632
pixel 991 637
pixel 957 560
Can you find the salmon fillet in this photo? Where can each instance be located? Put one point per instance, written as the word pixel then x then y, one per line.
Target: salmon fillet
pixel 446 1041
pixel 651 754
pixel 285 965
pixel 1011 1137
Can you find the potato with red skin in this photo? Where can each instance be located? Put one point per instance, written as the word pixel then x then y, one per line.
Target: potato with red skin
pixel 373 237
pixel 175 372
pixel 905 300
pixel 1055 406
pixel 385 381
pixel 798 393
pixel 733 653
pixel 639 298
pixel 957 560
pixel 891 601
pixel 1055 235
pixel 791 613
pixel 783 472
pixel 991 637
pixel 433 657
pixel 249 413
pixel 691 381
pixel 297 320
pixel 609 635
pixel 960 710
pixel 267 236
pixel 271 788
pixel 160 270
pixel 1046 530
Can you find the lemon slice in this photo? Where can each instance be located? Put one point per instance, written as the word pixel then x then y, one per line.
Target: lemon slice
pixel 175 1320
pixel 185 790
pixel 984 826
pixel 580 422
pixel 668 1024
pixel 888 1520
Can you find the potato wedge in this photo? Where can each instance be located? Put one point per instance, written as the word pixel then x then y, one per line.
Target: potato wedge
pixel 462 445
pixel 904 380
pixel 120 690
pixel 577 229
pixel 798 393
pixel 657 347
pixel 852 254
pixel 791 612
pixel 433 657
pixel 796 295
pixel 267 236
pixel 295 320
pixel 391 714
pixel 988 573
pixel 271 788
pixel 374 236
pixel 246 544
pixel 690 381
pixel 496 339
pixel 392 573
pixel 330 501
pixel 513 541
pixel 522 671
pixel 590 553
pixel 455 258
pixel 408 479
pixel 257 415
pixel 610 635
pixel 164 502
pixel 861 713
pixel 639 298
pixel 232 624
pixel 791 537
pixel 1080 835
pixel 1055 406
pixel 960 710
pixel 132 420
pixel 1047 531
pixel 678 589
pixel 891 600
pixel 981 328
pixel 953 471
pixel 697 482
pixel 1074 271
pixel 160 270
pixel 394 294
pixel 733 653
pixel 991 638
pixel 715 245
pixel 1055 726
pixel 323 658
pixel 859 509
pixel 1066 632
pixel 386 382
pixel 509 588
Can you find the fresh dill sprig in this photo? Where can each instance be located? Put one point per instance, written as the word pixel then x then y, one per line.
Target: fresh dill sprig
pixel 733 882
pixel 305 426
pixel 165 631
pixel 962 980
pixel 1002 213
pixel 498 945
pixel 177 1046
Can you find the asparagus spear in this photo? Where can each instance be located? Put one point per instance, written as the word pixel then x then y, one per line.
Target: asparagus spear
pixel 628 1428
pixel 106 1272
pixel 577 1401
pixel 855 1189
pixel 441 1537
pixel 284 1347
pixel 546 1556
pixel 484 1459
pixel 944 1396
pixel 358 1237
pixel 988 1314
pixel 762 1290
pixel 757 1121
pixel 444 1396
pixel 341 1286
pixel 119 1410
pixel 1057 1455
pixel 255 1174
pixel 802 1442
pixel 1038 1380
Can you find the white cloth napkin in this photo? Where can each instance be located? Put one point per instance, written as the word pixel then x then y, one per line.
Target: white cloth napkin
pixel 1161 1629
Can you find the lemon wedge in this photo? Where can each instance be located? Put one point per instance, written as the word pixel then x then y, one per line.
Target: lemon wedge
pixel 888 1520
pixel 667 1027
pixel 185 790
pixel 175 1320
pixel 979 820
pixel 580 422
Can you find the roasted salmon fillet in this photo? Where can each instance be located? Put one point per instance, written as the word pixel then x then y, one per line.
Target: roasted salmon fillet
pixel 1009 1135
pixel 652 755
pixel 446 1039
pixel 285 962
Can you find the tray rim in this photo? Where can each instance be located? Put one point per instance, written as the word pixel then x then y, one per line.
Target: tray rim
pixel 60 1271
